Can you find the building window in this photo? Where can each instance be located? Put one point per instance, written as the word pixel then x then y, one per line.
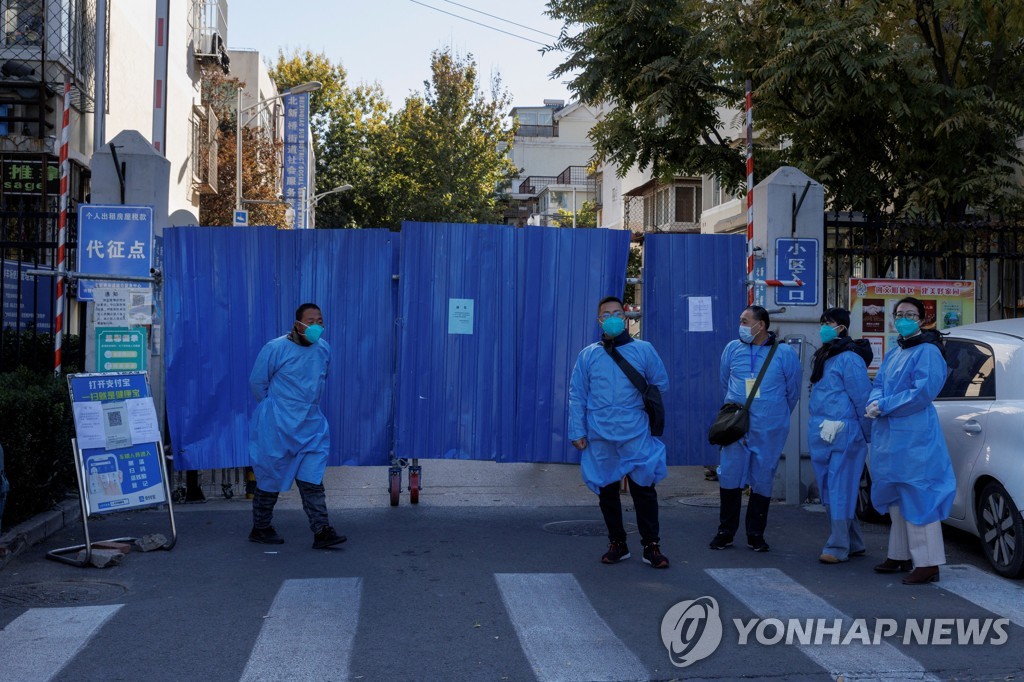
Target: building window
pixel 688 198
pixel 23 22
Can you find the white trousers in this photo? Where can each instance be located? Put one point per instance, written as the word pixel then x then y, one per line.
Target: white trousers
pixel 923 544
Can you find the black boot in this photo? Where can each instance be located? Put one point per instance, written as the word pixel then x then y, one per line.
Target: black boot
pixel 757 519
pixel 729 517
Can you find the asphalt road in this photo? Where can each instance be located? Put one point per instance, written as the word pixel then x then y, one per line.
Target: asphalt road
pixel 487 593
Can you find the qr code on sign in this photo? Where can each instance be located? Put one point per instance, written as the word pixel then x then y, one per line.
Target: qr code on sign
pixel 113 418
pixel 138 300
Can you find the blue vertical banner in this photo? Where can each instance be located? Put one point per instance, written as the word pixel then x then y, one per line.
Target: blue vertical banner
pixel 27 299
pixel 114 240
pixel 797 259
pixel 296 156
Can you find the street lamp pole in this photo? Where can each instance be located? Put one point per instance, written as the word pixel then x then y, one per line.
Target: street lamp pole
pixel 314 200
pixel 311 86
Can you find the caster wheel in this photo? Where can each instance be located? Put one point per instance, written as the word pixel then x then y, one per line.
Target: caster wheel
pixel 414 487
pixel 395 486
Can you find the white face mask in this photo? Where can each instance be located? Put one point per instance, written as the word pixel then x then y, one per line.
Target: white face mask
pixel 746 335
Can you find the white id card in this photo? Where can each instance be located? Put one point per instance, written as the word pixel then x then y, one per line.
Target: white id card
pixel 750 387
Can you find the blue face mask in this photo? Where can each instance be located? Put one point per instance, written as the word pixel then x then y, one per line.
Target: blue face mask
pixel 613 326
pixel 828 334
pixel 907 327
pixel 313 332
pixel 746 336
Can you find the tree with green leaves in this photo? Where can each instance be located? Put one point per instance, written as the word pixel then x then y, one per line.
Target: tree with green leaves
pixel 446 147
pixel 348 125
pixel 586 216
pixel 909 106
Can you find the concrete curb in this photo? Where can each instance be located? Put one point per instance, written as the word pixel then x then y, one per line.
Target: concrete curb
pixel 38 528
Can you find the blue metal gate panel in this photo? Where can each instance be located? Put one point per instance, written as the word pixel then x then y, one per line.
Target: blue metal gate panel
pixel 230 290
pixel 676 268
pixel 563 273
pixel 456 392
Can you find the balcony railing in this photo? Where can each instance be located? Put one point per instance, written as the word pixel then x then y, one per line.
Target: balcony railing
pixel 209 27
pixel 574 175
pixel 535 183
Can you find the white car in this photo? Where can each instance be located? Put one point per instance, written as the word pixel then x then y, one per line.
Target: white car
pixel 981 408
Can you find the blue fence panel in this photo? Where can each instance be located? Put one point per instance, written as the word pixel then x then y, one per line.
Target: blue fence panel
pixel 678 268
pixel 230 290
pixel 456 365
pixel 563 274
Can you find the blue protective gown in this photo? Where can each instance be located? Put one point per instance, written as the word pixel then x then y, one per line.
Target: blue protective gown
pixel 840 395
pixel 752 460
pixel 910 465
pixel 288 433
pixel 607 409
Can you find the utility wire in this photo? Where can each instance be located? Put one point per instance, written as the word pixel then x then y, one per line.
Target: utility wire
pixel 507 21
pixel 436 9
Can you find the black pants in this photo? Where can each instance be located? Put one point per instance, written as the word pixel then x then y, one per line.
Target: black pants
pixel 314 503
pixel 645 502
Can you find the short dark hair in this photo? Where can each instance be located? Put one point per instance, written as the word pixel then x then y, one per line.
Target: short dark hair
pixel 303 308
pixel 610 299
pixel 914 302
pixel 840 316
pixel 761 315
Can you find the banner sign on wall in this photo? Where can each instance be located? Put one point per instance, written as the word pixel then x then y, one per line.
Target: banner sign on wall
pixel 947 304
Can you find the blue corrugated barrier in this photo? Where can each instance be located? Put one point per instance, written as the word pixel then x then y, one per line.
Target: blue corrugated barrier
pixel 562 276
pixel 684 272
pixel 230 290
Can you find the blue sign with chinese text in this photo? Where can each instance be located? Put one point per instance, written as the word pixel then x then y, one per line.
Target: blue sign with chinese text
pixel 118 439
pixel 797 259
pixel 114 240
pixel 296 156
pixel 760 274
pixel 28 300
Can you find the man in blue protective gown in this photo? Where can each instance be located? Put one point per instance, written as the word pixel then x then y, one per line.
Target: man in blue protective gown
pixel 911 473
pixel 608 424
pixel 838 431
pixel 288 435
pixel 752 460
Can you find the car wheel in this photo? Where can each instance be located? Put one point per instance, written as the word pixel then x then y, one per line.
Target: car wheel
pixel 865 512
pixel 1001 530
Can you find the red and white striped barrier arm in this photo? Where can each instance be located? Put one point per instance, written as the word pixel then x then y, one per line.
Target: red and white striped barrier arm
pixel 750 194
pixel 62 227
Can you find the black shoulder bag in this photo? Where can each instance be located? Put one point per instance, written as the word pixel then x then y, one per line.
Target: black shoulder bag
pixel 653 405
pixel 733 419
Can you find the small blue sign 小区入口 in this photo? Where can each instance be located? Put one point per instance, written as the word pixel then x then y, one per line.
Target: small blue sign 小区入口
pixel 797 259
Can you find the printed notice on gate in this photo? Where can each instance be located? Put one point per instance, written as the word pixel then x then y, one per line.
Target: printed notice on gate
pixel 700 313
pixel 460 316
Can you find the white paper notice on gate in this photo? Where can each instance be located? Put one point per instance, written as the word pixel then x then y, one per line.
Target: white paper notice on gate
pixel 700 314
pixel 460 316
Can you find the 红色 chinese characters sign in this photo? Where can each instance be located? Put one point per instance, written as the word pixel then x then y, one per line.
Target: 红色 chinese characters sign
pixel 947 304
pixel 114 240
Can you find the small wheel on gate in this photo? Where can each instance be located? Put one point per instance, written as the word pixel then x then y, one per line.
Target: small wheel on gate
pixel 414 487
pixel 394 485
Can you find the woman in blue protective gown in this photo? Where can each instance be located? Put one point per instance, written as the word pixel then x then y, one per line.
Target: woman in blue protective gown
pixel 838 431
pixel 288 434
pixel 752 460
pixel 608 424
pixel 911 474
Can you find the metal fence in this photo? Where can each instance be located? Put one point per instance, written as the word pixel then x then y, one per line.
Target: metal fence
pixel 28 241
pixel 988 251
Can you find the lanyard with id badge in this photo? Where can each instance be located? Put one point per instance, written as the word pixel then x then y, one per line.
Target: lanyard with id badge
pixel 752 381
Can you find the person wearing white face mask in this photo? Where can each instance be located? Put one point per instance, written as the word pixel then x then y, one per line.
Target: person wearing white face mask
pixel 609 426
pixel 753 459
pixel 288 435
pixel 838 432
pixel 911 473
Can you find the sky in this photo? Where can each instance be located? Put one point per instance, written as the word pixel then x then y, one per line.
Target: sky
pixel 390 41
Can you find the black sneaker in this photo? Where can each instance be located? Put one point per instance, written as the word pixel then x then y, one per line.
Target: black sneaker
pixel 327 538
pixel 757 543
pixel 654 557
pixel 265 536
pixel 617 551
pixel 721 541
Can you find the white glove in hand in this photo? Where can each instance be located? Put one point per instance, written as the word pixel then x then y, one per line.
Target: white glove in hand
pixel 830 429
pixel 873 411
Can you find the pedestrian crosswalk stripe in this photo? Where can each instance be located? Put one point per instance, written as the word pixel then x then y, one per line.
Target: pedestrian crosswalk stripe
pixel 36 645
pixel 770 593
pixel 562 635
pixel 309 632
pixel 990 592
